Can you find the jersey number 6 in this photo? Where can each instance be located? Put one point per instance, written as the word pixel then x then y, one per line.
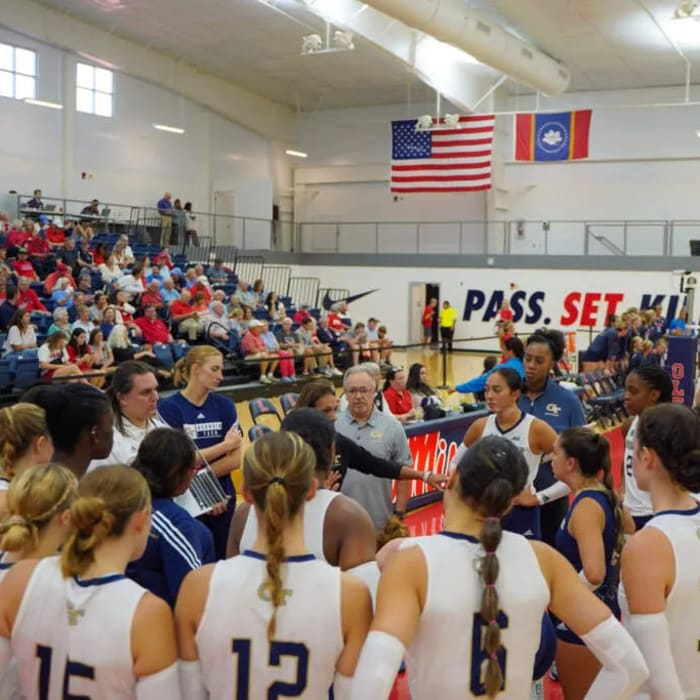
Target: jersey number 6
pixel 277 651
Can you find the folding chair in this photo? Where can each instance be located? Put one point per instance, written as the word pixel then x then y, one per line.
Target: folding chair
pixel 262 407
pixel 288 401
pixel 258 431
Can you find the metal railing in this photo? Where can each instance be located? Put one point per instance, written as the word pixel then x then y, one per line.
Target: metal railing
pixel 303 290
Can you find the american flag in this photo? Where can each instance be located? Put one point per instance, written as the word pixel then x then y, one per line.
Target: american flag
pixel 442 160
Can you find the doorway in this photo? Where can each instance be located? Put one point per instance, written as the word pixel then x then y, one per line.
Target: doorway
pixel 224 229
pixel 420 294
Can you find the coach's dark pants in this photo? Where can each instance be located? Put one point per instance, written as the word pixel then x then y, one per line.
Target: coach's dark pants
pixel 447 335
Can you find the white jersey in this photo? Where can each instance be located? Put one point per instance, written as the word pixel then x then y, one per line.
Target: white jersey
pixel 73 638
pixel 519 435
pixel 314 519
pixel 443 661
pixel 682 528
pixel 237 659
pixel 637 502
pixel 9 683
pixel 4 483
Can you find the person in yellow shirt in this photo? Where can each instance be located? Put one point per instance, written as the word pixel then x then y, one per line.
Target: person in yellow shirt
pixel 448 320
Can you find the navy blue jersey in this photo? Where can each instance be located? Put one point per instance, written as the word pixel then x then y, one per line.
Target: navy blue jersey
pixel 568 547
pixel 177 545
pixel 605 346
pixel 206 425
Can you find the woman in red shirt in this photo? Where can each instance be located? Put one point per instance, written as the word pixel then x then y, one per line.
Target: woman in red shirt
pixel 397 396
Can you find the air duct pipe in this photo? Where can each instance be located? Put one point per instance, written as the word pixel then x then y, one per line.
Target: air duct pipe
pixel 452 22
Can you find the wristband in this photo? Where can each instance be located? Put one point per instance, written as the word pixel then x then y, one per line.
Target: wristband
pixel 400 514
pixel 426 477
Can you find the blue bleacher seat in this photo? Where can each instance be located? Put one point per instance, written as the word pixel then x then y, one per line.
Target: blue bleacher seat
pixel 179 350
pixel 5 374
pixel 164 353
pixel 26 373
pixel 262 407
pixel 258 431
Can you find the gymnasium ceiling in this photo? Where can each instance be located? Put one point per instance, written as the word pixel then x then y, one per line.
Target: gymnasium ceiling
pixel 605 44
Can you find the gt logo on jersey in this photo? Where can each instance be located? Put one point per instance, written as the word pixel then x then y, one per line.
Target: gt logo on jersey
pixel 264 593
pixel 552 409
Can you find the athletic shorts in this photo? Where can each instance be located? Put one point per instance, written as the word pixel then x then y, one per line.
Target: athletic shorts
pixel 607 593
pixel 524 521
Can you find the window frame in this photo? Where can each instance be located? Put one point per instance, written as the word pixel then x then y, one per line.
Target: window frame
pixel 14 72
pixel 93 90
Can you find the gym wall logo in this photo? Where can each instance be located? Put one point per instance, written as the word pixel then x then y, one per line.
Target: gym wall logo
pixel 433 452
pixel 577 308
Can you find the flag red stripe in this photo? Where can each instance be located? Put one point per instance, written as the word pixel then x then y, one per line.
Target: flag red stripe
pixel 407 190
pixel 467 130
pixel 440 166
pixel 455 144
pixel 469 142
pixel 583 125
pixel 523 136
pixel 440 178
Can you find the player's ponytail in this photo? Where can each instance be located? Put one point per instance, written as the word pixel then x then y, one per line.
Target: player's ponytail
pixel 34 497
pixel 107 499
pixel 491 474
pixel 278 470
pixel 20 426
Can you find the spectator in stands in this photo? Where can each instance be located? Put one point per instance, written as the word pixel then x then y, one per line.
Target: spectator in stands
pixel 163 259
pixel 28 298
pixel 18 237
pixel 152 296
pixel 287 339
pixel 92 209
pixel 397 396
pixel 179 223
pixel 60 323
pixel 35 202
pixel 110 270
pixel 448 322
pixel 180 543
pixel 316 355
pixel 100 254
pixel 85 287
pixel 200 306
pixel 259 291
pixel 62 270
pixel 168 291
pixel 4 222
pixel 218 325
pixel 62 294
pixel 83 320
pixel 132 283
pixel 9 307
pixel 86 260
pixel 217 273
pixel 125 313
pixel 98 307
pixel 287 371
pixel 326 335
pixel 356 338
pixel 190 278
pixel 39 252
pixel 153 330
pixel 338 320
pixel 23 266
pixel 109 320
pixel 154 273
pixel 124 351
pixel 302 313
pixel 246 294
pixel 56 235
pixel 165 209
pixel 4 267
pixel 218 295
pixel 101 352
pixel 69 256
pixel 323 351
pixel 20 334
pixel 236 322
pixel 178 278
pixel 275 308
pixel 253 348
pixel 53 354
pixel 190 226
pixel 185 317
pixel 79 351
pixel 417 385
pixel 202 287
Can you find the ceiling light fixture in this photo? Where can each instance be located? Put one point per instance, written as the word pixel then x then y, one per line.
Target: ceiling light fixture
pixel 311 43
pixel 452 121
pixel 296 154
pixel 424 123
pixel 686 10
pixel 170 129
pixel 315 43
pixel 42 103
pixel 343 40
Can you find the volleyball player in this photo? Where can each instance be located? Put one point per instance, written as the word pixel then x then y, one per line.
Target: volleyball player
pixel 659 593
pixel 532 436
pixel 38 524
pixel 75 624
pixel 211 421
pixel 645 386
pixel 337 529
pixel 468 602
pixel 298 624
pixel 24 441
pixel 591 538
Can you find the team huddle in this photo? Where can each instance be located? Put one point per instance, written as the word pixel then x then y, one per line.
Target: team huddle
pixel 283 598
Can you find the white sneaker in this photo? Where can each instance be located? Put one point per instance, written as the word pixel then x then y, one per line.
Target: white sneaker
pixel 271 377
pixel 336 372
pixel 264 379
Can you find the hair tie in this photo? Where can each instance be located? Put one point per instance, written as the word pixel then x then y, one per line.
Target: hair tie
pixel 493 657
pixel 489 585
pixel 493 517
pixel 276 480
pixel 16 520
pixel 489 553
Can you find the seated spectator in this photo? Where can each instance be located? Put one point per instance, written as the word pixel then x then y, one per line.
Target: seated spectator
pixel 9 307
pixel 246 294
pixel 217 324
pixel 302 313
pixel 236 322
pixel 69 255
pixel 201 286
pixel 3 286
pixel 20 334
pixel 56 235
pixel 275 308
pixel 125 313
pixel 168 291
pixel 39 252
pixel 356 338
pixel 179 543
pixel 397 396
pixel 419 388
pixel 247 318
pixel 163 259
pixel 98 307
pixel 101 352
pixel 110 270
pixel 190 278
pixel 79 350
pixel 253 348
pixel 60 324
pixel 154 274
pixel 19 237
pixel 513 351
pixel 62 270
pixel 200 305
pixel 62 294
pixel 338 320
pixel 381 344
pixel 109 320
pixel 217 273
pixel 86 260
pixel 153 330
pixel 28 298
pixel 386 345
pixel 218 295
pixel 83 320
pixel 287 339
pixel 184 317
pixel 199 270
pixel 132 283
pixel 5 269
pixel 326 335
pixel 259 291
pixel 152 296
pixel 124 351
pixel 92 209
pixel 177 277
pixel 123 253
pixel 35 202
pixel 287 371
pixel 53 354
pixel 320 353
pixel 23 266
pixel 85 286
pixel 100 254
pixel 234 303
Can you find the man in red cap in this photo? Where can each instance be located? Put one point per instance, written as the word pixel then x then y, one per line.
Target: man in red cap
pixel 62 270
